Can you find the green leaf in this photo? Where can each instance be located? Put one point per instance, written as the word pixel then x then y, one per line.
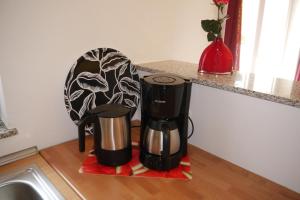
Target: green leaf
pixel 216 27
pixel 206 25
pixel 211 26
pixel 211 36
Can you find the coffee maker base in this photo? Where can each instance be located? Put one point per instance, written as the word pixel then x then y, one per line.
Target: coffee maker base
pixel 155 162
pixel 114 158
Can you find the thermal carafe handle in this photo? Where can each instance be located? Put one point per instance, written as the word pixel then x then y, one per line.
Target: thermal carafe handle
pixel 97 135
pixel 81 130
pixel 166 141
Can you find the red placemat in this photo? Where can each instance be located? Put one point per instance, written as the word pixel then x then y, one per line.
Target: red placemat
pixel 136 169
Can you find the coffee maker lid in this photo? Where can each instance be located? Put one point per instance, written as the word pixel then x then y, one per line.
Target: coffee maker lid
pixel 110 110
pixel 164 79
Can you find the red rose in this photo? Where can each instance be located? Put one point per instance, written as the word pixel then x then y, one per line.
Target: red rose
pixel 221 2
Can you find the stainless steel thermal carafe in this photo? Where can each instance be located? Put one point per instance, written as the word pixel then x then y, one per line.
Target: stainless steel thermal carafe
pixel 112 137
pixel 162 138
pixel 114 133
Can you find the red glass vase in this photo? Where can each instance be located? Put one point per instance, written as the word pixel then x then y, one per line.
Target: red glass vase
pixel 216 58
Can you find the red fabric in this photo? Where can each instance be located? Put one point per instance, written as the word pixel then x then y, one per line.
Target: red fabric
pixel 233 30
pixel 135 169
pixel 297 76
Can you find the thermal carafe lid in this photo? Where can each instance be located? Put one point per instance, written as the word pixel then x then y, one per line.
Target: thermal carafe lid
pixel 110 110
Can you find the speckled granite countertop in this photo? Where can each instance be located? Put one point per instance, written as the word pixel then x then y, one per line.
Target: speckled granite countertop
pixel 4 132
pixel 267 88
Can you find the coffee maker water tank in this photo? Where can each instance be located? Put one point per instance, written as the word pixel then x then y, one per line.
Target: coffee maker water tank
pixel 163 94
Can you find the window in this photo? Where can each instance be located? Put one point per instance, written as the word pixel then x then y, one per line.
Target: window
pixel 270 37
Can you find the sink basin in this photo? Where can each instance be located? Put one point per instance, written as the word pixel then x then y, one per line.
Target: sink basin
pixel 27 184
pixel 19 191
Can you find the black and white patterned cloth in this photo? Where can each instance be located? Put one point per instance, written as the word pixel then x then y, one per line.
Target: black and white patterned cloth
pixel 101 76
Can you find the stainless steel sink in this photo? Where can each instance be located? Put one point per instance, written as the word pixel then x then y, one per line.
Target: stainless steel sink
pixel 27 184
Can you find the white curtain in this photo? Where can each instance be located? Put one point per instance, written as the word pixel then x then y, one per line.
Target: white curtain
pixel 270 37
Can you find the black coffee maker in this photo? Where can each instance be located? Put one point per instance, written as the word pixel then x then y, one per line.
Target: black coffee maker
pixel 164 120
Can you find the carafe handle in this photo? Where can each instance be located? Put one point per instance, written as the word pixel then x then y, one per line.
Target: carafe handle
pixel 166 141
pixel 192 132
pixel 97 137
pixel 81 130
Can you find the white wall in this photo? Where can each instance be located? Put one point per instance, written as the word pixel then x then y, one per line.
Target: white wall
pixel 258 135
pixel 189 39
pixel 40 40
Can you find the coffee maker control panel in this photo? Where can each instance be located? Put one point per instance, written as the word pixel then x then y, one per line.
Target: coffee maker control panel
pixel 164 80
